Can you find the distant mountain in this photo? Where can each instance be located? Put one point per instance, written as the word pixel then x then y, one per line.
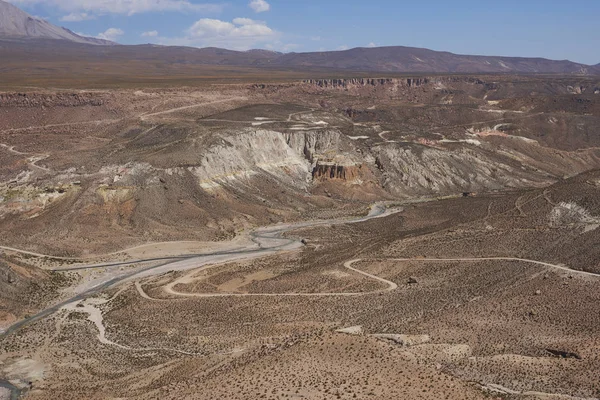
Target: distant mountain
pixel 367 60
pixel 25 40
pixel 15 23
pixel 411 59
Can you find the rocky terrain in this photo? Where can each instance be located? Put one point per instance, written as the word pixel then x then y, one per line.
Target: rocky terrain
pixel 131 248
pixel 123 159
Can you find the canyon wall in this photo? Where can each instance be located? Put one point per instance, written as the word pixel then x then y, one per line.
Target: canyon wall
pixel 50 100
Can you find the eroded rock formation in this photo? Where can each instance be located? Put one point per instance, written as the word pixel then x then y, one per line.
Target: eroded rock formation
pixel 357 82
pixel 326 171
pixel 50 100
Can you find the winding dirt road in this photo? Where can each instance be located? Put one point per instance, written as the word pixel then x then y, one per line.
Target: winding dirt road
pixel 144 117
pixel 348 264
pixel 391 286
pixel 475 259
pixel 268 241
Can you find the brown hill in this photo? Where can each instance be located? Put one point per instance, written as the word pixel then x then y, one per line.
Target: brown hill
pixel 31 60
pixel 411 59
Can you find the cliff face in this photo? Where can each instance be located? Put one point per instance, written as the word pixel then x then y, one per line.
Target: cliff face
pixel 362 82
pixel 249 154
pixel 50 100
pixel 313 144
pixel 330 171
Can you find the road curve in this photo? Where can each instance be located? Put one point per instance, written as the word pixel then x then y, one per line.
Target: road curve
pixel 348 264
pixel 268 241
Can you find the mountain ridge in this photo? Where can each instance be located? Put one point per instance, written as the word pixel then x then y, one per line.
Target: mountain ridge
pixel 413 59
pixel 16 23
pixel 23 36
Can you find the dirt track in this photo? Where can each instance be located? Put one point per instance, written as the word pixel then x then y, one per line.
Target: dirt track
pixel 269 241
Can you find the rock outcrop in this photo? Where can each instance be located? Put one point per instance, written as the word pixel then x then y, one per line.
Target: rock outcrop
pixel 358 82
pixel 50 100
pixel 326 171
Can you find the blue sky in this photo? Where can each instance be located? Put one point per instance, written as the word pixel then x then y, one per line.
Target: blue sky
pixel 554 29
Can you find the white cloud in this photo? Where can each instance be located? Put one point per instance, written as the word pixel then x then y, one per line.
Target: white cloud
pixel 128 7
pixel 343 47
pixel 110 34
pixel 150 34
pixel 372 44
pixel 77 17
pixel 239 34
pixel 239 28
pixel 247 21
pixel 259 6
pixel 315 38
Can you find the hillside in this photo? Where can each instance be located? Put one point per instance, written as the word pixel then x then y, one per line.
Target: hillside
pixel 411 59
pixel 15 23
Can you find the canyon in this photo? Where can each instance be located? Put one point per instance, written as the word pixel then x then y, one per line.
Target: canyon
pixel 180 241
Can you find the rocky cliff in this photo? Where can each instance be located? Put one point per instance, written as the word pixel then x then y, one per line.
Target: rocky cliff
pixel 358 82
pixel 50 100
pixel 332 171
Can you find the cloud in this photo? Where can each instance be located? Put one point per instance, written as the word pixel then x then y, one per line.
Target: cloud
pixel 247 21
pixel 128 7
pixel 110 34
pixel 315 38
pixel 239 34
pixel 372 44
pixel 77 17
pixel 259 6
pixel 343 47
pixel 239 28
pixel 150 34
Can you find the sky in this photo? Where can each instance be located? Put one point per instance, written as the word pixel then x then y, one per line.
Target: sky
pixel 554 29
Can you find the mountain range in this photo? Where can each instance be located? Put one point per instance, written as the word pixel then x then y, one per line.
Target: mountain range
pixel 25 38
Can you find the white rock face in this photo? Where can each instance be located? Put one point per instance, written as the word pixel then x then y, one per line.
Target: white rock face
pixel 15 23
pixel 249 153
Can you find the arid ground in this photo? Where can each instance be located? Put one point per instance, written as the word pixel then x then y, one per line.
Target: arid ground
pixel 427 237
